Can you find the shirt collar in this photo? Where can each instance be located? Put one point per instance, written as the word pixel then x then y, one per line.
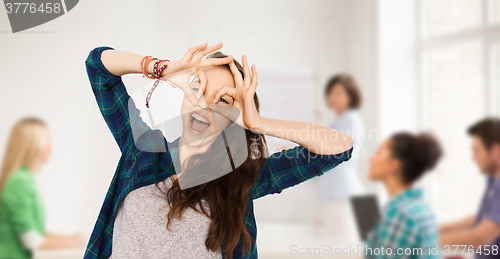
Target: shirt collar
pixel 25 169
pixel 492 182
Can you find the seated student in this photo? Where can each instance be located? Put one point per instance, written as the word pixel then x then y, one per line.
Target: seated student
pixel 482 231
pixel 22 211
pixel 407 222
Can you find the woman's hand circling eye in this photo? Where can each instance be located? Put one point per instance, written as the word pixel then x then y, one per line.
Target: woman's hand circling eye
pixel 243 96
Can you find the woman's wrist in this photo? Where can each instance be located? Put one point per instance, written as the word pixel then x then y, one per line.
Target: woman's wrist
pixel 258 125
pixel 172 67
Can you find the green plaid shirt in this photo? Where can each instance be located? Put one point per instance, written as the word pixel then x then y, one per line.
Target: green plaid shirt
pixel 138 168
pixel 407 222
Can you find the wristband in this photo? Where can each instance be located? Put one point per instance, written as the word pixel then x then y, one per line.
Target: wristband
pixel 142 63
pixel 144 68
pixel 159 63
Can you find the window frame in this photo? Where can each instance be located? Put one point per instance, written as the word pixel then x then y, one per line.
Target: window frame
pixel 489 34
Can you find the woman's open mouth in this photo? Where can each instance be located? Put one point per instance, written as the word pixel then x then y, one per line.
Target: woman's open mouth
pixel 198 123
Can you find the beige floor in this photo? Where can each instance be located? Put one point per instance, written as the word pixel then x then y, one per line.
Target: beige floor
pixel 77 254
pixel 285 256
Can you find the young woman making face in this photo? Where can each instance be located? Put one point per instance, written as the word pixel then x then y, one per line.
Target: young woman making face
pixel 146 213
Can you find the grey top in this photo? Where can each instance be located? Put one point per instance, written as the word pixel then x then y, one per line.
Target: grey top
pixel 140 228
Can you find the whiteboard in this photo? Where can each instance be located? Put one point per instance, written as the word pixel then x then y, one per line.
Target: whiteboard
pixel 286 94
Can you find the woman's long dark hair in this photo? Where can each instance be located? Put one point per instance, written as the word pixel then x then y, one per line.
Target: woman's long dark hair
pixel 227 196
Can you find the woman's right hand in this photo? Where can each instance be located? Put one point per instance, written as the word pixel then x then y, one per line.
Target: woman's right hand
pixel 194 57
pixel 191 64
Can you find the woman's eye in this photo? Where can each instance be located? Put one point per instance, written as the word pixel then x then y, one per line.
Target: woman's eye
pixel 223 100
pixel 194 82
pixel 193 79
pixel 195 89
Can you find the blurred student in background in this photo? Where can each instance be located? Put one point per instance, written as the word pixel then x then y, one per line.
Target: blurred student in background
pixel 407 220
pixel 482 230
pixel 343 96
pixel 22 214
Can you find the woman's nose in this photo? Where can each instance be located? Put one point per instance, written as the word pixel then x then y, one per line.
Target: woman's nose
pixel 205 100
pixel 202 102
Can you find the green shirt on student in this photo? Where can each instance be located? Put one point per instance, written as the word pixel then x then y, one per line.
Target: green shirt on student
pixel 21 210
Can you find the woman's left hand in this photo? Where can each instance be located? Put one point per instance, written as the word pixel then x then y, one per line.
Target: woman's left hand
pixel 243 112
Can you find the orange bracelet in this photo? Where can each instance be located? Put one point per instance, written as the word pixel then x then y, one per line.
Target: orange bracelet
pixel 142 63
pixel 144 67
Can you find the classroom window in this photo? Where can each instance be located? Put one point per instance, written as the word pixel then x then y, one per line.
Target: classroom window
pixel 450 16
pixel 459 54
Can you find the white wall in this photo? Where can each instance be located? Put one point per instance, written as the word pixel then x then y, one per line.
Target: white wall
pixel 361 61
pixel 397 69
pixel 397 65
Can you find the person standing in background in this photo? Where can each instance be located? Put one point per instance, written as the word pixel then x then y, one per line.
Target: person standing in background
pixel 335 218
pixel 22 213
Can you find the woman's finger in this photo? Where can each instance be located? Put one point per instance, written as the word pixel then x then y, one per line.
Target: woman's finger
pixel 236 74
pixel 196 48
pixel 255 81
pixel 216 61
pixel 226 90
pixel 190 95
pixel 185 86
pixel 246 71
pixel 211 49
pixel 203 84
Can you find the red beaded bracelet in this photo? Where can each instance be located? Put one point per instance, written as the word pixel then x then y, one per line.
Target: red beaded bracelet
pixel 157 72
pixel 162 68
pixel 155 68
